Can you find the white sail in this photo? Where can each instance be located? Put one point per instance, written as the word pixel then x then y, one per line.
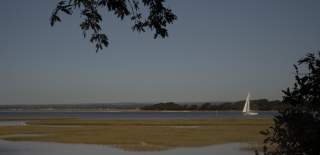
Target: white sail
pixel 246 108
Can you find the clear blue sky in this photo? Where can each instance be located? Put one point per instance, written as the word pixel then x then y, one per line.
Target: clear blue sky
pixel 217 50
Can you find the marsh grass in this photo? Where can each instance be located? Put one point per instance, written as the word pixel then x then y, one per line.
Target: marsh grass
pixel 140 135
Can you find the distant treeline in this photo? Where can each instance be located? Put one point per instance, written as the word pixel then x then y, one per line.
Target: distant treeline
pixel 259 105
pixel 88 106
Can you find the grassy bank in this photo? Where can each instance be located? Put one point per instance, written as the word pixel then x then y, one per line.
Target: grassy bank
pixel 140 135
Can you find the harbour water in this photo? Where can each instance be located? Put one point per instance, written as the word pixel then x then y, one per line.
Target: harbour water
pixel 42 148
pixel 138 115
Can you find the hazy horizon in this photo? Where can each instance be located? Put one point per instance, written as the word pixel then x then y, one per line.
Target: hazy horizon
pixel 216 51
pixel 146 102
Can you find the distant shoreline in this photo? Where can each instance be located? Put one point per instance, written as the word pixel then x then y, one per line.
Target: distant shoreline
pixel 129 110
pixel 256 105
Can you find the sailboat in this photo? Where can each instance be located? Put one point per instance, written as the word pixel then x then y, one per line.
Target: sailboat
pixel 246 108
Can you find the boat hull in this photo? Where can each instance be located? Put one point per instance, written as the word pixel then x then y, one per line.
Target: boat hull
pixel 250 113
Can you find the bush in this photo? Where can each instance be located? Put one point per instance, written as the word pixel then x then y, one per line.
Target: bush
pixel 296 130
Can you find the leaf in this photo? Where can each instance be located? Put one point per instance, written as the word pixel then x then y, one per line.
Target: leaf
pixel 54 19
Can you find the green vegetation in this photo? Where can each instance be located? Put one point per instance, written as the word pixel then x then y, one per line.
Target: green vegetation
pixel 145 14
pixel 296 130
pixel 261 104
pixel 139 135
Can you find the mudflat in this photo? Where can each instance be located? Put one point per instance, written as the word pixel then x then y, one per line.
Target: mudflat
pixel 139 135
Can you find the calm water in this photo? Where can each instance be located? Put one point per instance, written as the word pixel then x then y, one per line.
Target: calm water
pixel 12 123
pixel 137 115
pixel 39 148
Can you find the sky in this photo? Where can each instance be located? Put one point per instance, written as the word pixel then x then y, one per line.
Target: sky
pixel 217 50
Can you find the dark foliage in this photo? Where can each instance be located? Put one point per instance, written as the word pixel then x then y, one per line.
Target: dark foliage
pixel 262 104
pixel 164 106
pixel 158 16
pixel 296 130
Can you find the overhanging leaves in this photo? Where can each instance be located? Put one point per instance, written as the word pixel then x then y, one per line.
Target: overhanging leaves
pixel 158 16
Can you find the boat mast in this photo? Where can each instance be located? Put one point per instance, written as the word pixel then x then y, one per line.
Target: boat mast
pixel 248 102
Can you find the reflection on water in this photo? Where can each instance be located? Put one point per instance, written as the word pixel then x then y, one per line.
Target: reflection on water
pixel 12 123
pixel 39 148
